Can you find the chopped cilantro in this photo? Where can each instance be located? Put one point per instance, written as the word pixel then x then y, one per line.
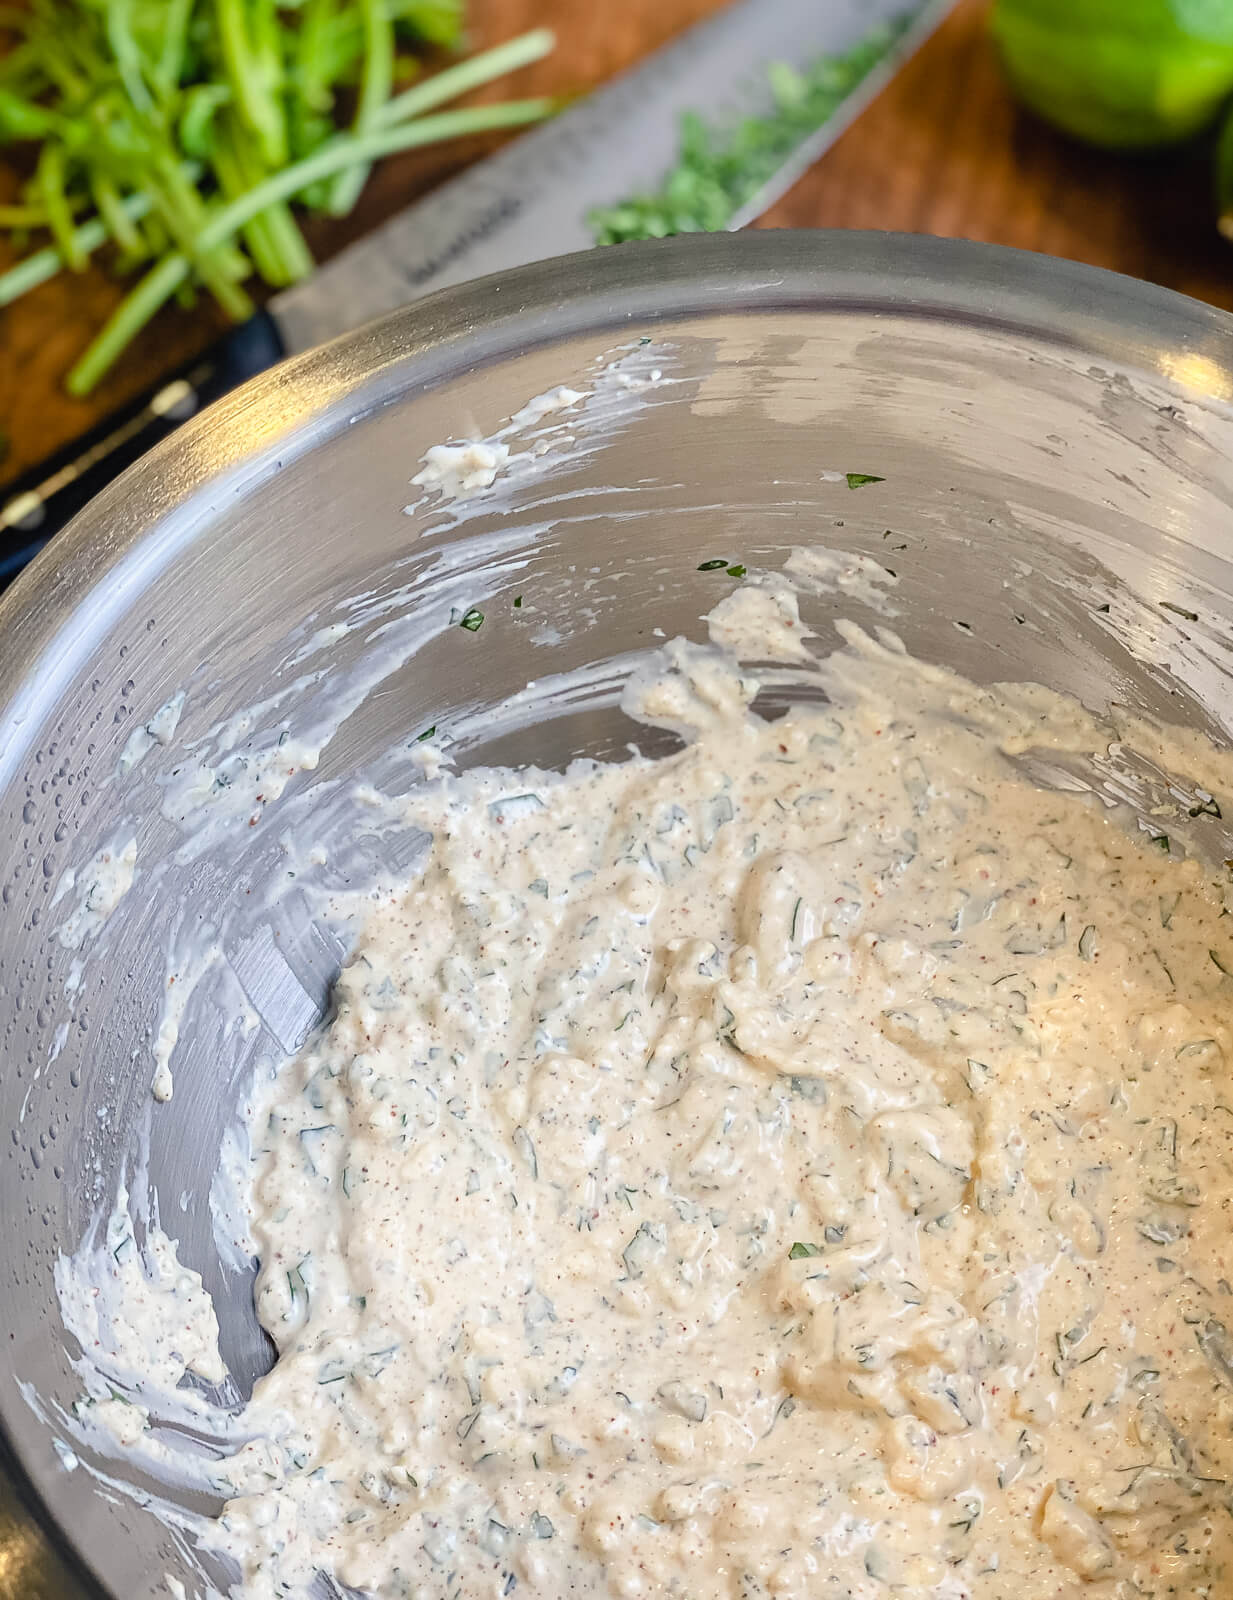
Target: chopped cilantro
pixel 473 620
pixel 799 1251
pixel 858 480
pixel 719 170
pixel 517 602
pixel 737 571
pixel 714 565
pixel 427 734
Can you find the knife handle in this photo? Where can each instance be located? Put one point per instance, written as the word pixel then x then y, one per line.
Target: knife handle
pixel 42 500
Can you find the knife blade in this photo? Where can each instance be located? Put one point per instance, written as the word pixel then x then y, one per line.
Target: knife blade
pixel 527 202
pixel 531 199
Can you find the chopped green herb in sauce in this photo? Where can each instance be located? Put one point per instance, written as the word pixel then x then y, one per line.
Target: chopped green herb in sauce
pixel 799 1166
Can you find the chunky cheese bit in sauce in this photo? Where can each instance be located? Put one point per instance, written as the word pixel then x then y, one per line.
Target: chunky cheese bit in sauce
pixel 799 1166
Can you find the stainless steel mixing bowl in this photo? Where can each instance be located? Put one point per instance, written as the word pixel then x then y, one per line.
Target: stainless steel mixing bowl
pixel 1054 450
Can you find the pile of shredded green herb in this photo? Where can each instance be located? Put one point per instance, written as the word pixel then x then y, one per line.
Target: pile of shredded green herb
pixel 718 172
pixel 190 136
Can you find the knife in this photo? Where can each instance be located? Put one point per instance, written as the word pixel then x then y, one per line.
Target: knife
pixel 527 202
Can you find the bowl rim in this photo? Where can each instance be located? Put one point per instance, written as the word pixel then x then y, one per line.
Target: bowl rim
pixel 96 565
pixel 55 613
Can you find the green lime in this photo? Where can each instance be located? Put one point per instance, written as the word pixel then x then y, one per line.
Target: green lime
pixel 1120 73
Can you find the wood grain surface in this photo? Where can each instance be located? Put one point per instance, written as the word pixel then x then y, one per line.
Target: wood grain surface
pixel 944 150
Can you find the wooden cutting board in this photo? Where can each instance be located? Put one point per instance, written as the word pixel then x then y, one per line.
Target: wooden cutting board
pixel 944 150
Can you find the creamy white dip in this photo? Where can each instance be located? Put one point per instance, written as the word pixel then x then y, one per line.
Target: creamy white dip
pixel 799 1166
